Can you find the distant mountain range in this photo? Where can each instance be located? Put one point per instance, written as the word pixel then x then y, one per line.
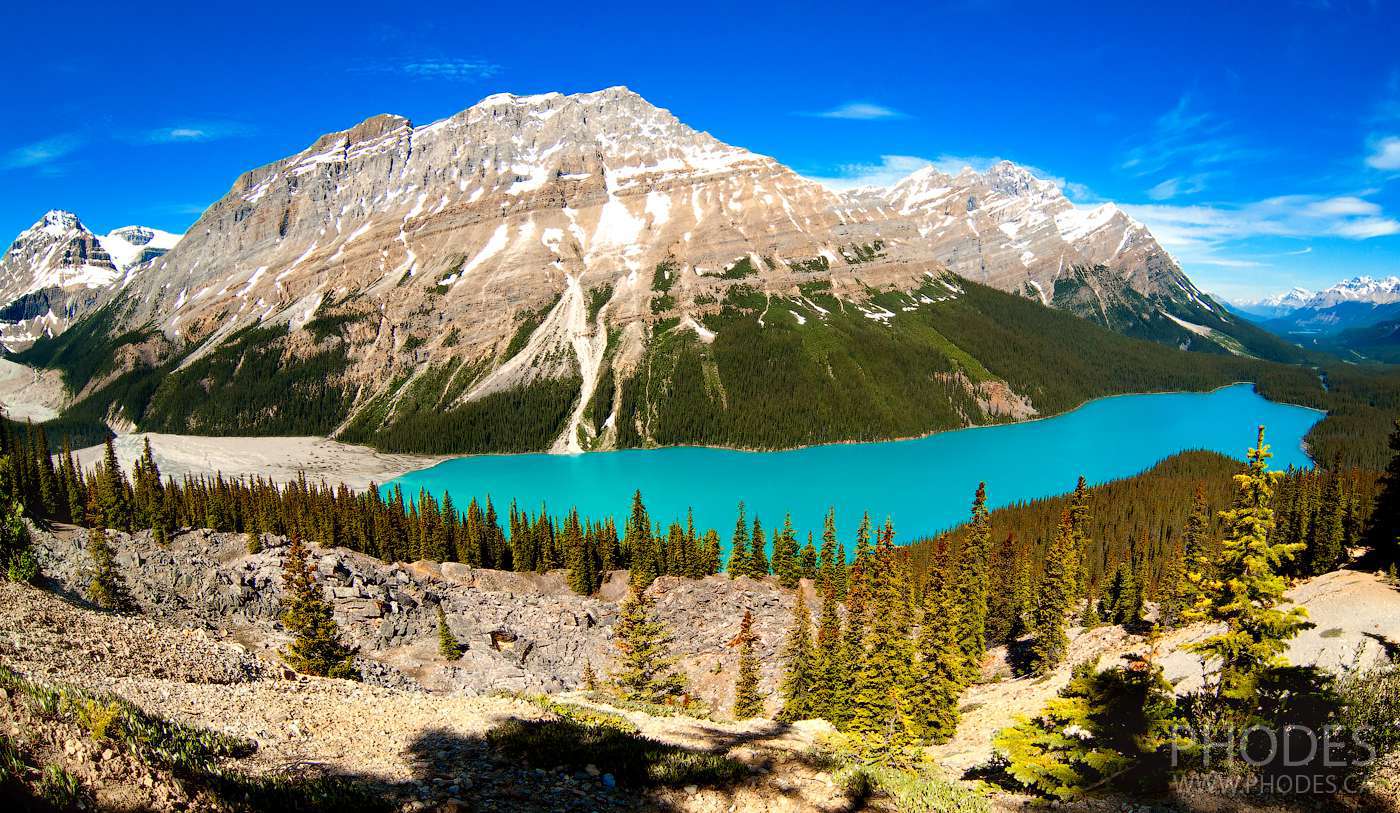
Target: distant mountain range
pixel 1354 318
pixel 568 256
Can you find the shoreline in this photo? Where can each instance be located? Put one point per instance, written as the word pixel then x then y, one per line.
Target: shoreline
pixel 283 459
pixel 898 439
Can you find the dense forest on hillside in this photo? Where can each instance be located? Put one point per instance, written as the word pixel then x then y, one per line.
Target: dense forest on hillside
pixel 781 371
pixel 785 371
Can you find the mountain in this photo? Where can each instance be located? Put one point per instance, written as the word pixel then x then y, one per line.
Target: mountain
pixel 1354 303
pixel 1274 306
pixel 509 272
pixel 57 269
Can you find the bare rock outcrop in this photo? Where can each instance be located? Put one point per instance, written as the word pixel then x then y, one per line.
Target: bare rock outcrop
pixel 523 632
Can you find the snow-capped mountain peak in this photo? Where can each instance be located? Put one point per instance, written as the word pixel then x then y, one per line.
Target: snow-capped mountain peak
pixel 130 246
pixel 1361 289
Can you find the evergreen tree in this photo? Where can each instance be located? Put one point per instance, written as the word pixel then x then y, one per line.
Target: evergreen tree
pixel 748 702
pixel 740 562
pixel 827 567
pixel 448 646
pixel 113 492
pixel 799 675
pixel 590 678
pixel 1327 546
pixel 758 552
pixel 315 648
pixel 1112 728
pixel 878 701
pixel 1052 602
pixel 253 542
pixel 1079 519
pixel 645 669
pixel 937 676
pixel 787 561
pixel 579 557
pixel 831 672
pixel 1197 553
pixel 809 568
pixel 1246 594
pixel 106 588
pixel 17 560
pixel 970 587
pixel 640 546
pixel 1384 533
pixel 1122 599
pixel 1175 594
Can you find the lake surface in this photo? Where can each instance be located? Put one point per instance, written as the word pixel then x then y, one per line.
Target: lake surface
pixel 926 485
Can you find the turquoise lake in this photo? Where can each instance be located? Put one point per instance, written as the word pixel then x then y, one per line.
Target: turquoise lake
pixel 926 485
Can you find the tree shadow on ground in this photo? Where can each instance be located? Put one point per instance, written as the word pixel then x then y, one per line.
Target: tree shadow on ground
pixel 563 764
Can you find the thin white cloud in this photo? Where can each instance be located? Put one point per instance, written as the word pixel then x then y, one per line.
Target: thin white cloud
pixel 41 154
pixel 1189 145
pixel 1174 187
pixel 859 111
pixel 460 69
pixel 890 170
pixel 1385 153
pixel 457 69
pixel 1165 190
pixel 1205 234
pixel 191 132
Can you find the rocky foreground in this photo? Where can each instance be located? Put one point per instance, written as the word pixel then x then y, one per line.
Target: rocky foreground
pixel 523 632
pixel 425 733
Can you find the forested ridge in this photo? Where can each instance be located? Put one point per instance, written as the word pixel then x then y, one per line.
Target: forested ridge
pixel 782 371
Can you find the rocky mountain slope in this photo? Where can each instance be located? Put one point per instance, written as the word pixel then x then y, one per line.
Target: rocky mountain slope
pixel 523 632
pixel 57 270
pixel 532 254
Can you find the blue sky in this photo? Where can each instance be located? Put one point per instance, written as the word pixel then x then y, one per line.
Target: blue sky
pixel 1261 142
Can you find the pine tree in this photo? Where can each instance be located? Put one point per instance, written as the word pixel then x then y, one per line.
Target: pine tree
pixel 970 587
pixel 799 674
pixel 748 702
pixel 1199 562
pixel 1326 547
pixel 831 673
pixel 448 646
pixel 253 542
pixel 590 678
pixel 827 568
pixel 17 560
pixel 1122 600
pixel 584 578
pixel 1384 534
pixel 1175 594
pixel 113 492
pixel 787 562
pixel 1080 520
pixel 1112 728
pixel 1052 602
pixel 639 544
pixel 106 589
pixel 315 648
pixel 645 669
pixel 1246 594
pixel 878 700
pixel 740 563
pixel 758 552
pixel 809 568
pixel 937 679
